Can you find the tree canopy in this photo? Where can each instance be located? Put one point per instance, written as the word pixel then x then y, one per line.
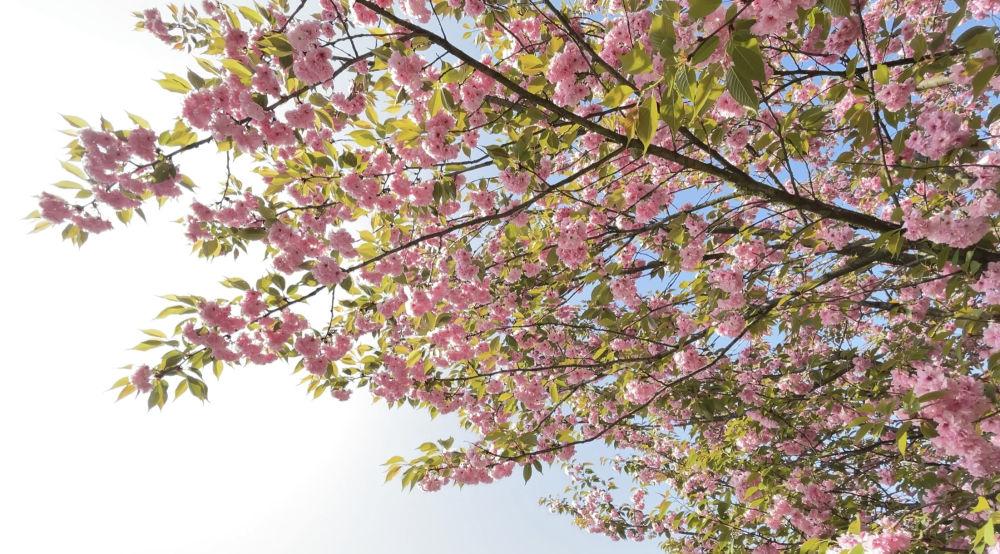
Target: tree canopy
pixel 751 246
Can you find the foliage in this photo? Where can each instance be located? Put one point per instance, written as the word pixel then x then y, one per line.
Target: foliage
pixel 751 246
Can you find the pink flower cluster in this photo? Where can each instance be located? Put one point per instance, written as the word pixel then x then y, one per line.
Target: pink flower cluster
pixel 729 279
pixel 727 106
pixel 937 132
pixel 407 71
pixel 895 95
pixel 945 228
pixel 353 105
pixel 141 379
pixel 885 542
pixel 437 129
pixel 474 90
pixel 563 70
pixel 989 284
pixel 773 16
pixel 515 182
pixel 154 24
pixel 624 291
pixel 691 255
pixel 416 9
pixel 955 415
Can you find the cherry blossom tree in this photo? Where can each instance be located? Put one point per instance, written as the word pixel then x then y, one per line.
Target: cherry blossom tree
pixel 751 246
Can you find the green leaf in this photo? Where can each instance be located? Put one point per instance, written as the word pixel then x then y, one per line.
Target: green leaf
pixel 76 121
pixel 154 398
pixel 741 89
pixel 238 69
pixel 649 115
pixel 981 506
pixel 601 295
pixel 882 74
pixel 157 396
pixel 705 50
pixel 120 383
pixel 747 60
pixel 855 527
pixel 702 8
pixel 616 96
pixel 530 64
pixel 902 439
pixel 129 389
pixel 636 62
pixel 526 472
pixel 198 388
pixel 148 345
pixel 175 310
pixel 182 387
pixel 236 283
pixel 982 78
pixel 838 7
pixel 393 471
pixel 363 138
pixel 175 83
pixel 68 185
pixel 435 104
pixel 138 120
pixel 663 37
pixel 975 38
pixel 809 546
pixel 251 15
pixel 684 82
pixel 155 333
pixel 74 170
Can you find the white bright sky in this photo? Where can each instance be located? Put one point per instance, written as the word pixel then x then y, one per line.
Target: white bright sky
pixel 262 468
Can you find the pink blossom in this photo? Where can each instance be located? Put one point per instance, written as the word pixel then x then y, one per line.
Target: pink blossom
pixel 327 272
pixel 154 24
pixel 895 95
pixel 727 106
pixel 302 116
pixel 141 379
pixel 407 71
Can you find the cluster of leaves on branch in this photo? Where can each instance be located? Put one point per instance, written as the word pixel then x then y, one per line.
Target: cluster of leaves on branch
pixel 749 245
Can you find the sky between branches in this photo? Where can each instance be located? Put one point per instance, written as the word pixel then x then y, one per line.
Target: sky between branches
pixel 239 474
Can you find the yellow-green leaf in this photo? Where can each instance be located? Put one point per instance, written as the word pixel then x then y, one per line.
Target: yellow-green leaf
pixel 648 117
pixel 616 96
pixel 530 64
pixel 636 62
pixel 882 74
pixel 251 15
pixel 138 120
pixel 436 103
pixel 855 528
pixel 363 138
pixel 76 121
pixel 129 389
pixel 741 89
pixel 236 68
pixel 74 170
pixel 175 83
pixel 701 8
pixel 981 506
